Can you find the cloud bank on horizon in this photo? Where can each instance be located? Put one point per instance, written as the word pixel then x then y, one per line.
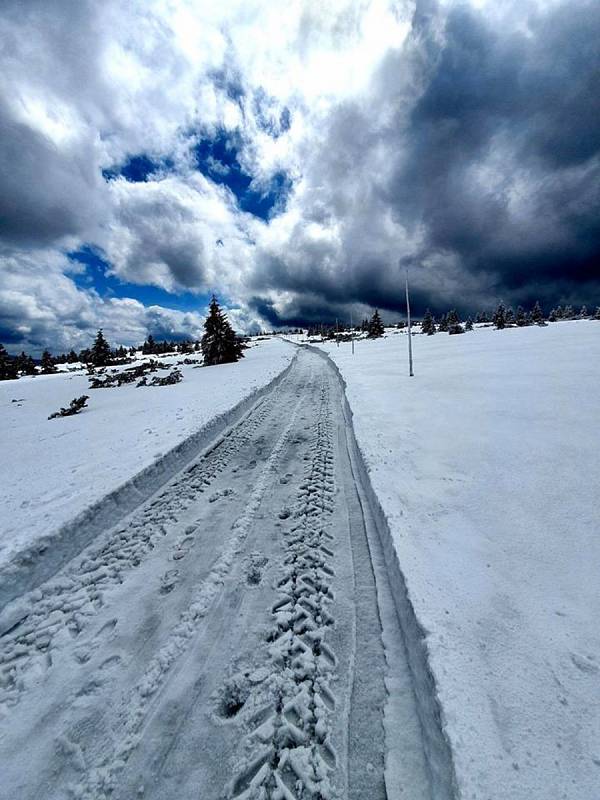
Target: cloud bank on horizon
pixel 290 162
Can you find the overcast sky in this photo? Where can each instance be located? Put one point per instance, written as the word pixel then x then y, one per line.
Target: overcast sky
pixel 289 157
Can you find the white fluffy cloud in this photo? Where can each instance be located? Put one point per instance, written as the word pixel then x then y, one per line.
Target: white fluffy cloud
pixel 180 232
pixel 41 305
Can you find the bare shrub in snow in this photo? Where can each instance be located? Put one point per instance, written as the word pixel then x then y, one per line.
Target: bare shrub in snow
pixel 75 406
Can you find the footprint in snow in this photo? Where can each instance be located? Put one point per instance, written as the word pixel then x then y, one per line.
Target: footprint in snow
pixel 221 493
pixel 168 581
pixel 585 663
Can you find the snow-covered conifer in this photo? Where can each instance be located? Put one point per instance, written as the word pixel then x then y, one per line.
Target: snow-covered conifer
pixel 219 342
pixel 521 317
pixel 26 364
pixel 8 366
pixel 100 352
pixel 499 318
pixel 375 329
pixel 428 324
pixel 47 363
pixel 537 314
pixel 453 321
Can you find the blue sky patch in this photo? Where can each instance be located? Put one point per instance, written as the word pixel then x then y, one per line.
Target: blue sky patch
pixel 97 277
pixel 217 158
pixel 137 169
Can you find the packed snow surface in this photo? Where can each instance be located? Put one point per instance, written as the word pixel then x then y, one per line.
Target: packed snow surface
pixel 52 470
pixel 486 465
pixel 225 638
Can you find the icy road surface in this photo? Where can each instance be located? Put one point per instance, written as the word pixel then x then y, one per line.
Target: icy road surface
pixel 225 639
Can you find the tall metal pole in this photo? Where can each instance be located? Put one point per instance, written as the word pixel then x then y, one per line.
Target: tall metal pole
pixel 410 359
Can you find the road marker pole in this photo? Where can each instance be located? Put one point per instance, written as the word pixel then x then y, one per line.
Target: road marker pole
pixel 410 358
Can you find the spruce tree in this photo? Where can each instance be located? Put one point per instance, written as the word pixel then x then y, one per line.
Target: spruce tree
pixel 453 321
pixel 219 343
pixel 443 324
pixel 8 366
pixel 100 353
pixel 469 324
pixel 149 346
pixel 552 316
pixel 583 313
pixel 597 313
pixel 47 363
pixel 428 324
pixel 26 364
pixel 375 329
pixel 537 314
pixel 510 316
pixel 521 318
pixel 499 318
pixel 568 313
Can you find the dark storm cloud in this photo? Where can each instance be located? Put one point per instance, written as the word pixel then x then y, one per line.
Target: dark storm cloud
pixel 487 138
pixel 46 191
pixel 528 106
pixel 43 195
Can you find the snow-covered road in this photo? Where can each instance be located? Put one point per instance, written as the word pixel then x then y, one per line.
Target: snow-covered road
pixel 232 637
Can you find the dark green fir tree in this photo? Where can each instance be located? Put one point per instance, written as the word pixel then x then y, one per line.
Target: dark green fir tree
pixel 453 321
pixel 8 366
pixel 47 363
pixel 375 328
pixel 428 324
pixel 26 364
pixel 537 314
pixel 100 353
pixel 219 343
pixel 499 318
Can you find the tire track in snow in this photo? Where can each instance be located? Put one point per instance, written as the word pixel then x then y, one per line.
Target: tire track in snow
pixel 102 779
pixel 70 599
pixel 295 757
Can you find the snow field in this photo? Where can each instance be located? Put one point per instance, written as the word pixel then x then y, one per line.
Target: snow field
pixel 58 469
pixel 486 469
pixel 207 644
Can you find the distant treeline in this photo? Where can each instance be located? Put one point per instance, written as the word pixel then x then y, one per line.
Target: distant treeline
pixel 452 323
pixel 503 317
pixel 99 355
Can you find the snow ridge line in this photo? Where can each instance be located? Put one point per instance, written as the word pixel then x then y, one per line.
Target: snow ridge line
pixel 292 754
pixel 438 750
pixel 33 565
pixel 70 599
pixel 101 781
